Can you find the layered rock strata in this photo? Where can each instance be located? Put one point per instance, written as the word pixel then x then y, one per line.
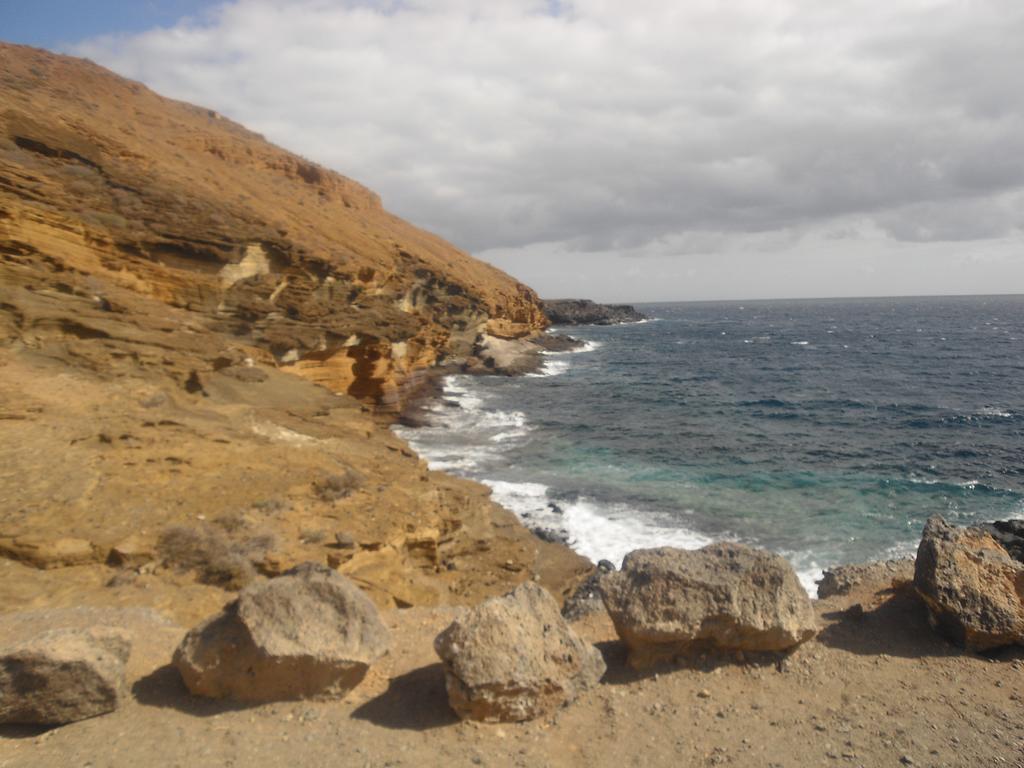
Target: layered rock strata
pixel 164 275
pixel 105 182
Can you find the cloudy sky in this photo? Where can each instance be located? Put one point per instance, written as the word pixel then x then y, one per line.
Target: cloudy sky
pixel 650 150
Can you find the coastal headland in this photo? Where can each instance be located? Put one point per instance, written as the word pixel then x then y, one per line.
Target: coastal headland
pixel 587 312
pixel 203 341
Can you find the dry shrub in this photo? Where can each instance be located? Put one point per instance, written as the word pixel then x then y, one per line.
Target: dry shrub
pixel 270 506
pixel 338 486
pixel 216 558
pixel 312 536
pixel 231 523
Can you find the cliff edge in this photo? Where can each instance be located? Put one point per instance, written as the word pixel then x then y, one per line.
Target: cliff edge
pixel 104 182
pixel 164 275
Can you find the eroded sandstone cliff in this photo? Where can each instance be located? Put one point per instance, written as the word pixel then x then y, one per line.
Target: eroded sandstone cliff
pixel 164 274
pixel 103 180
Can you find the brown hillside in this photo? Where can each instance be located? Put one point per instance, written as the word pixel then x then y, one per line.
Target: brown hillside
pixel 104 179
pixel 163 274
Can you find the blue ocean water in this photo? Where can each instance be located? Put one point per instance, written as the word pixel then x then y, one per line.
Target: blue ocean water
pixel 825 430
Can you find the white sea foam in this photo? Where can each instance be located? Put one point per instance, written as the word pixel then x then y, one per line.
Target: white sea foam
pixel 901 550
pixel 551 368
pixel 586 346
pixel 459 463
pixel 610 532
pixel 463 414
pixel 555 364
pixel 809 578
pixel 500 419
pixel 511 434
pixel 521 498
pixel 993 411
pixel 458 390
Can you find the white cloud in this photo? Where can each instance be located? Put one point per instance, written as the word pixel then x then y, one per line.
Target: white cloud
pixel 658 128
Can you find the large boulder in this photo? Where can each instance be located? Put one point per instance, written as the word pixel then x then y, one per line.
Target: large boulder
pixel 63 676
pixel 514 658
pixel 668 602
pixel 971 585
pixel 308 633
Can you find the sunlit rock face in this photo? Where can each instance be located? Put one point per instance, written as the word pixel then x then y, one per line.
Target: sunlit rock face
pixel 105 180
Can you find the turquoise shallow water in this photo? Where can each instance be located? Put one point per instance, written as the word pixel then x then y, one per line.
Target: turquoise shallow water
pixel 825 430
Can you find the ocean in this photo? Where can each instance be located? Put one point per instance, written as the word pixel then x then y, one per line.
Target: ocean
pixel 825 430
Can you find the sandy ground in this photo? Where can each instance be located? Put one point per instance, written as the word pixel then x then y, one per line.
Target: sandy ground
pixel 876 688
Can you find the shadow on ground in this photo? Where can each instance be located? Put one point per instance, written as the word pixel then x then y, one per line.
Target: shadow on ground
pixel 898 626
pixel 414 701
pixel 164 688
pixel 24 731
pixel 703 659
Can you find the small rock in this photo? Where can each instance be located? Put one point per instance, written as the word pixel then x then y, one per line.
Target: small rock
pixel 337 559
pixel 842 579
pixel 63 676
pixel 585 600
pixel 246 374
pixel 131 553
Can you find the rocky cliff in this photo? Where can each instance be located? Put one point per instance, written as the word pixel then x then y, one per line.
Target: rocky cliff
pixel 104 184
pixel 164 275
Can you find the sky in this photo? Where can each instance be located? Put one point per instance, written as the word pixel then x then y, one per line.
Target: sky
pixel 655 150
